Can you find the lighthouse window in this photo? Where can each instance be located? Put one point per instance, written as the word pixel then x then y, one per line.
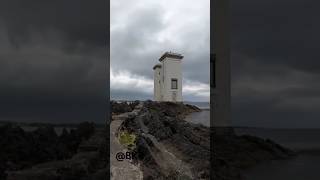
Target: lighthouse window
pixel 174 83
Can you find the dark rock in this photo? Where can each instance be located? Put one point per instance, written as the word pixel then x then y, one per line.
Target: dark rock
pixel 99 175
pixel 235 153
pixel 84 165
pixel 85 129
pixel 122 107
pixel 20 150
pixel 133 104
pixel 164 121
pixel 191 144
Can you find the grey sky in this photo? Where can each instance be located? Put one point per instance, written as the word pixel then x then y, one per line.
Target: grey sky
pixel 53 57
pixel 142 30
pixel 53 60
pixel 275 63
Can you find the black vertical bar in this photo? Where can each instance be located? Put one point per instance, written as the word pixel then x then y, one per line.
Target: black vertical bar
pixel 213 70
pixel 108 108
pixel 219 71
pixel 212 85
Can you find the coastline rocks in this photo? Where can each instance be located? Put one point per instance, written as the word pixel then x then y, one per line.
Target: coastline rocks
pixel 161 132
pixel 167 146
pixel 235 153
pixel 122 107
pixel 171 109
pixel 22 150
pixel 78 167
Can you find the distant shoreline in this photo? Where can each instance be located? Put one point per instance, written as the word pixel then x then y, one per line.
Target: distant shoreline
pixel 275 128
pixel 204 109
pixel 41 124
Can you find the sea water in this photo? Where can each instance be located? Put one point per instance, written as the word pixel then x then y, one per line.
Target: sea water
pixel 301 167
pixel 305 166
pixel 202 117
pixel 306 142
pixel 201 105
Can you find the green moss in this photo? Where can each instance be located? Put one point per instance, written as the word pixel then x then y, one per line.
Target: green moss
pixel 127 139
pixel 153 110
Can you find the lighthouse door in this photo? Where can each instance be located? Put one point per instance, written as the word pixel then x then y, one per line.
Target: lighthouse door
pixel 174 96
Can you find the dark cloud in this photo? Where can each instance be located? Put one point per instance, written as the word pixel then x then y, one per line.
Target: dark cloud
pixel 53 60
pixel 275 67
pixel 278 32
pixel 77 20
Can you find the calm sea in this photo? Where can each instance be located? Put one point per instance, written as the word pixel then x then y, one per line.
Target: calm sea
pixel 201 105
pixel 202 117
pixel 305 166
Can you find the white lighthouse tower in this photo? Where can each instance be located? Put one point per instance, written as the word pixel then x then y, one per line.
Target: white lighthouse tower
pixel 168 78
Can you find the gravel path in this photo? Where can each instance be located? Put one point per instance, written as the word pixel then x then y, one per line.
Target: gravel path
pixel 121 170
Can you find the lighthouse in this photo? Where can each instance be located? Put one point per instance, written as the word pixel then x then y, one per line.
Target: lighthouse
pixel 168 78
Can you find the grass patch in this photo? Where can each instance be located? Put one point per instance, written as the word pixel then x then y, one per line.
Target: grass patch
pixel 127 139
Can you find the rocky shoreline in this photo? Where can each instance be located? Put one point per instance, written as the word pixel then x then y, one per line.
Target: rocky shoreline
pixel 164 146
pixel 234 153
pixel 42 154
pixel 162 136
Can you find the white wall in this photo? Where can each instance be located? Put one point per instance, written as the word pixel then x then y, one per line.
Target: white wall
pixel 172 69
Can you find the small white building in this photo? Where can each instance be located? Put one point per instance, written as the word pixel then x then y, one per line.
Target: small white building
pixel 168 78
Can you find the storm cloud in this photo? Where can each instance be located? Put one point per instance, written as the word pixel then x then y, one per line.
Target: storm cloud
pixel 53 60
pixel 275 67
pixel 53 57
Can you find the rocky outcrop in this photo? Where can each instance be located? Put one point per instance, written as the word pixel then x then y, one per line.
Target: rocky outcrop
pixel 42 154
pixel 168 147
pixel 235 153
pixel 122 107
